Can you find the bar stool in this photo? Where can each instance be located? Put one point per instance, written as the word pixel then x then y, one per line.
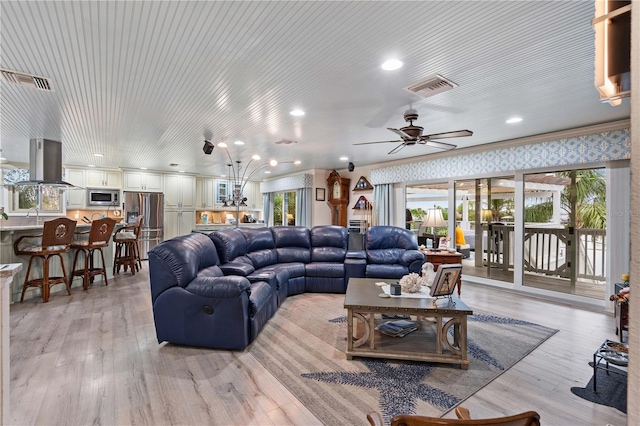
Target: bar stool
pixel 127 253
pixel 99 237
pixel 56 237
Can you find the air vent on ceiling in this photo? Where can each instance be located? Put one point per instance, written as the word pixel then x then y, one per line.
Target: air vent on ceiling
pixel 27 80
pixel 431 86
pixel 284 142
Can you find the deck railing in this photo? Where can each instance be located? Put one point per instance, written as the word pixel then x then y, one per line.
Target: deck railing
pixel 546 251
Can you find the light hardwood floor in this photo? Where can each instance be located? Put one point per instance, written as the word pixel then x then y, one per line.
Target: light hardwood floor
pixel 93 358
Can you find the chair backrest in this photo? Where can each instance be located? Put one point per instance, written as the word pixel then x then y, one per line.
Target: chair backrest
pixel 138 226
pixel 101 230
pixel 58 232
pixel 529 418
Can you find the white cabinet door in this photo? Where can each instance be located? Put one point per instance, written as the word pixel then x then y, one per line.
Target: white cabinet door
pixel 153 182
pixel 103 179
pixel 171 220
pixel 76 197
pixel 179 192
pixel 187 192
pixel 171 191
pixel 133 181
pixel 140 181
pixel 209 193
pixel 178 223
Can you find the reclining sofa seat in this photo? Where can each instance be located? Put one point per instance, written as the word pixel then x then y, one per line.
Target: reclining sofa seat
pixel 195 304
pixel 391 252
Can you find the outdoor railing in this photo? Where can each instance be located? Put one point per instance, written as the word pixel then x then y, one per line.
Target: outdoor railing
pixel 545 251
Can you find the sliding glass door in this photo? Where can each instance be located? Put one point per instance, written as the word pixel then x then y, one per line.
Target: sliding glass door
pixel 565 230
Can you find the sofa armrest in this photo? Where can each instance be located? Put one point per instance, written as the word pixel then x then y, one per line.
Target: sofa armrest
pixel 219 287
pixel 356 254
pixel 410 256
pixel 236 268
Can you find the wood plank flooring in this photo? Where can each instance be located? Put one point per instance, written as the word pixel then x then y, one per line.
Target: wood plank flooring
pixel 93 358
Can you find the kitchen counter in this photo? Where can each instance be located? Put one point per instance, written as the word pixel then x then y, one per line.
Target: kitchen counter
pixel 217 226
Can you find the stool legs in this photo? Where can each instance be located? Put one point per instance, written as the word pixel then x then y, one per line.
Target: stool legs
pixel 89 271
pixel 45 282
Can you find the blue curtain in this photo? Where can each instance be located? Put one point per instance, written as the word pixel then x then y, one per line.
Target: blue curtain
pixel 303 207
pixel 383 203
pixel 267 199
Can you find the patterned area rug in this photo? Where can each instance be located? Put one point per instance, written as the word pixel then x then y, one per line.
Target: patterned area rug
pixel 303 346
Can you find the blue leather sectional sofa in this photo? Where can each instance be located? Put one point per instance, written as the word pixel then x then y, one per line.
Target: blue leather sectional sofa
pixel 219 290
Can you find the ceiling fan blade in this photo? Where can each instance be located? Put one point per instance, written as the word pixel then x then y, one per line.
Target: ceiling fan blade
pixel 454 134
pixel 396 149
pixel 368 143
pixel 439 145
pixel 399 133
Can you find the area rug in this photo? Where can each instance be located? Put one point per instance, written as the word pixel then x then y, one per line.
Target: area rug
pixel 612 389
pixel 303 346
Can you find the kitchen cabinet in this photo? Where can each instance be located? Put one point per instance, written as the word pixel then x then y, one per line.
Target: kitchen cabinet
pixel 178 222
pixel 142 181
pixel 206 193
pixel 76 197
pixel 96 178
pixel 179 192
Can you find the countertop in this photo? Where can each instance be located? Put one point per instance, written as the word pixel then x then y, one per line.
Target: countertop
pixel 11 228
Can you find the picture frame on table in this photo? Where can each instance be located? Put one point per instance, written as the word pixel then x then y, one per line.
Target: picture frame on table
pixel 446 279
pixel 320 194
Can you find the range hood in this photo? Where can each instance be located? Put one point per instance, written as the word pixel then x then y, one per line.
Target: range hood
pixel 45 164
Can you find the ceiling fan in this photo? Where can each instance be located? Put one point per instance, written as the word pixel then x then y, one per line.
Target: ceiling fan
pixel 412 135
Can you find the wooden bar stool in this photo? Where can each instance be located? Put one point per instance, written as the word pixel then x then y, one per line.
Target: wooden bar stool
pixel 99 237
pixel 56 238
pixel 127 253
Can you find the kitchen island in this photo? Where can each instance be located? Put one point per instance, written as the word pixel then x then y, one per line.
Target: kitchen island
pixel 10 233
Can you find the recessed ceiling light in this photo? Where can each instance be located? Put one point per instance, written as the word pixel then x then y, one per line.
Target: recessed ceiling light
pixel 267 171
pixel 514 120
pixel 392 64
pixel 143 168
pixel 255 157
pixel 91 165
pixel 239 142
pixel 297 113
pixel 222 145
pixel 344 158
pixel 98 155
pixel 273 163
pixel 297 162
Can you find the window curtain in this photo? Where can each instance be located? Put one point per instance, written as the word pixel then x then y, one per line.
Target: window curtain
pixel 383 202
pixel 303 207
pixel 267 200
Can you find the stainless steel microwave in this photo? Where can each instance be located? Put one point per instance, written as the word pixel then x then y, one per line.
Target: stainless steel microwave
pixel 102 197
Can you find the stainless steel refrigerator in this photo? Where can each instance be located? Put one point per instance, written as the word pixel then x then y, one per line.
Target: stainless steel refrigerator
pixel 151 206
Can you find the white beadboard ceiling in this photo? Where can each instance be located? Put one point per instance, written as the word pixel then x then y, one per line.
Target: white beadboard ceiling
pixel 145 82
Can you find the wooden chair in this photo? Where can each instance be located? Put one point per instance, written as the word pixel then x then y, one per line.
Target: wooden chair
pixel 529 418
pixel 127 252
pixel 99 238
pixel 55 239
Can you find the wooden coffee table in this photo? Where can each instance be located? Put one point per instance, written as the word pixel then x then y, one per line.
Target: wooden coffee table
pixel 431 342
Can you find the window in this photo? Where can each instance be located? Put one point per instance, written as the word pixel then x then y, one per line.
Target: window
pixel 284 209
pixel 44 198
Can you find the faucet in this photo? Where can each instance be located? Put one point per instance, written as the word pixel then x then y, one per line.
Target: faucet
pixel 98 213
pixel 37 214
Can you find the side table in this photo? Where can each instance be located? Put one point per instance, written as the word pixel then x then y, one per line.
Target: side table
pixel 609 352
pixel 443 258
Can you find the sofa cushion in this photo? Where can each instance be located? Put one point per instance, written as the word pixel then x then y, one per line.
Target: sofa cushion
pixel 257 239
pixel 261 296
pixel 230 244
pixel 328 243
pixel 324 269
pixel 292 243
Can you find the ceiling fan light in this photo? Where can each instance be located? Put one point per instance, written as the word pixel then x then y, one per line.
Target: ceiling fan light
pixel 392 64
pixel 514 120
pixel 297 113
